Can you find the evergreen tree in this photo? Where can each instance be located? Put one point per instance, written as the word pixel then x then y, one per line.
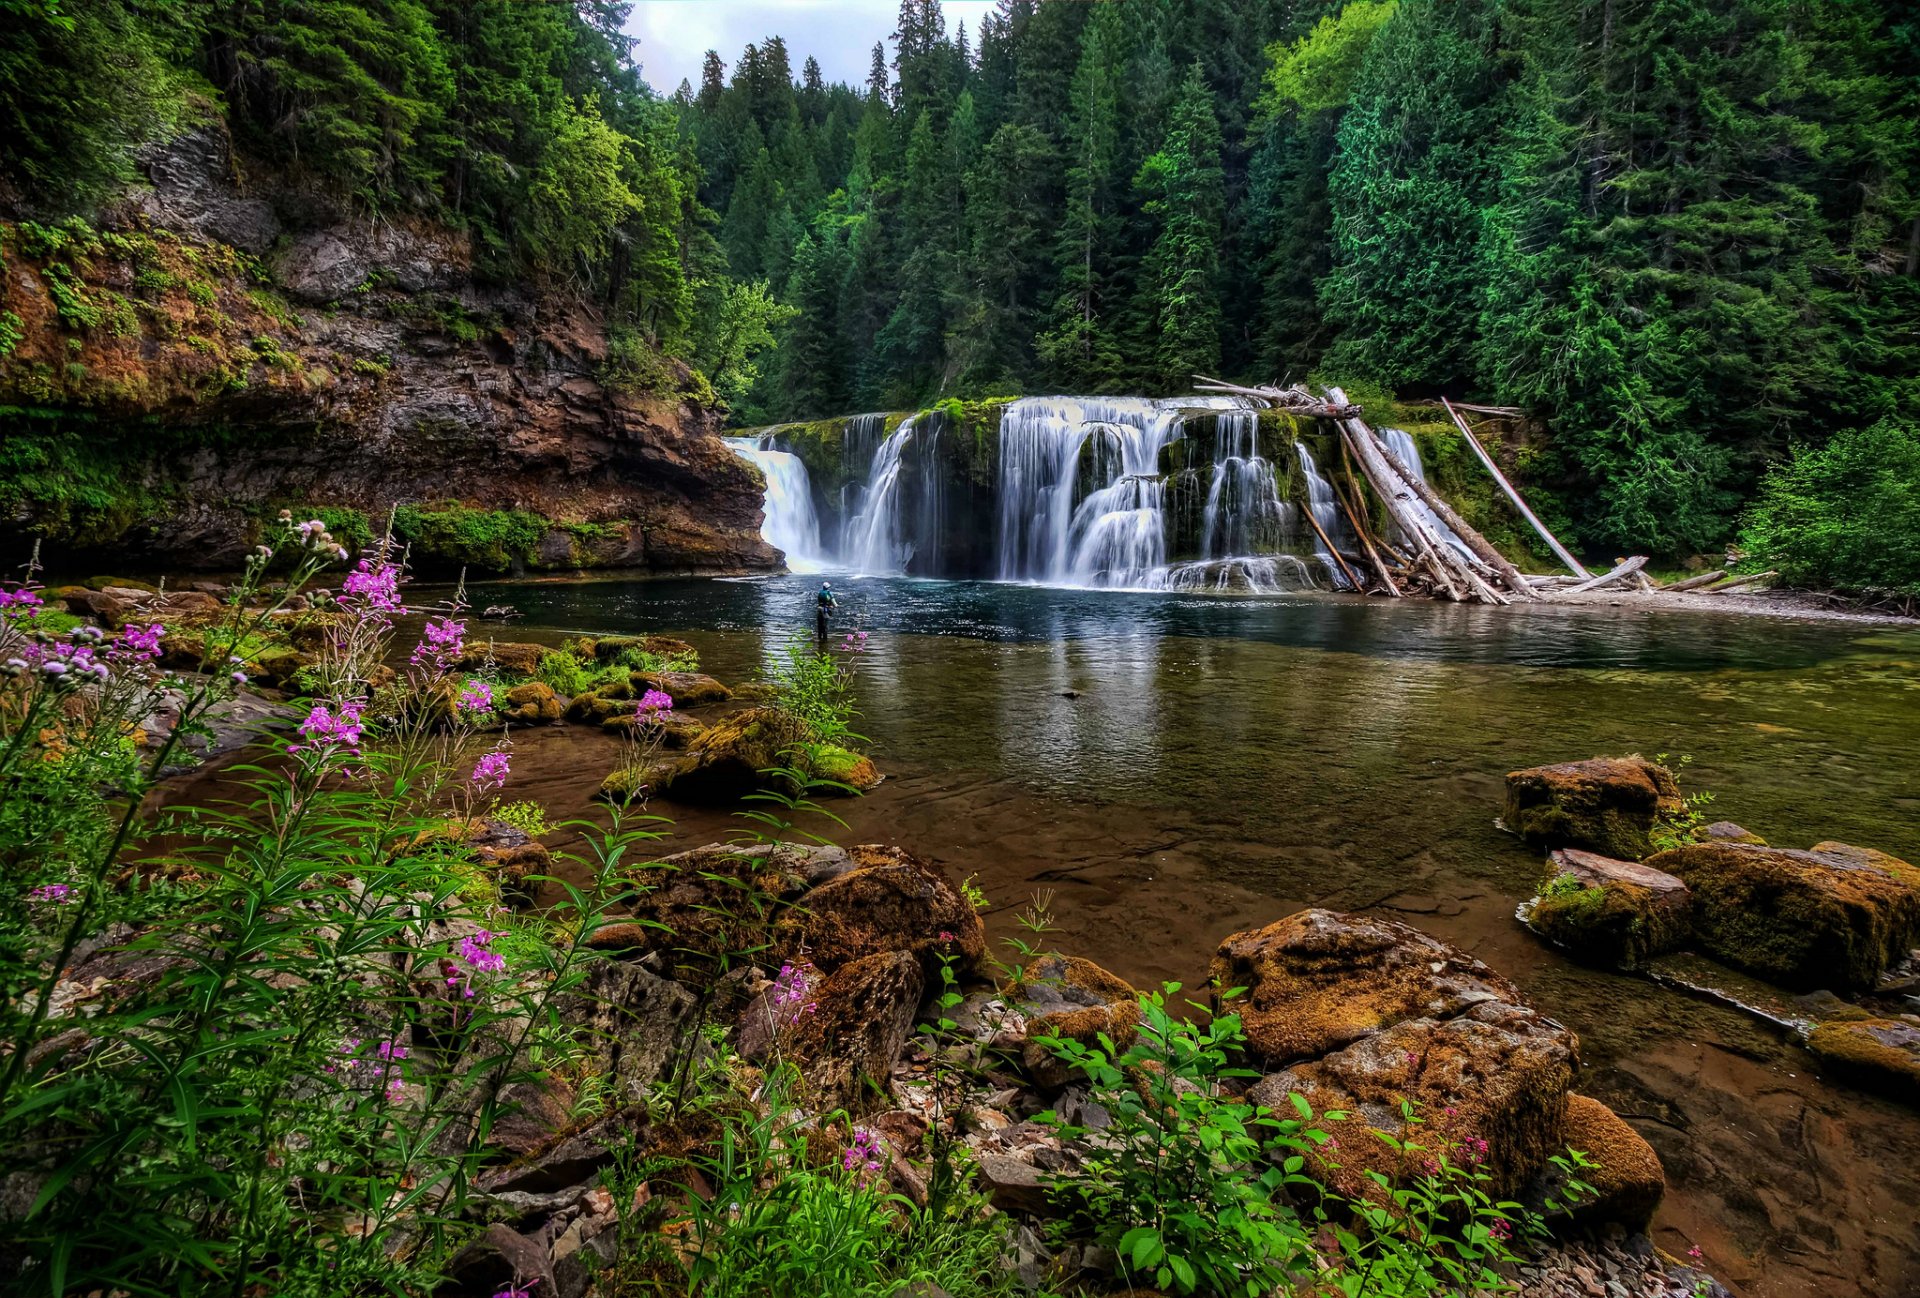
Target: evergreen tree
pixel 1179 305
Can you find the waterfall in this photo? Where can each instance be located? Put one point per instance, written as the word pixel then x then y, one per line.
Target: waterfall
pixel 1326 512
pixel 875 544
pixel 860 439
pixel 1244 512
pixel 1407 451
pixel 790 525
pixel 1115 535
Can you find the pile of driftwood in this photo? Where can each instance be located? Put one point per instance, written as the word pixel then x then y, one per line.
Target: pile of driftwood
pixel 1430 549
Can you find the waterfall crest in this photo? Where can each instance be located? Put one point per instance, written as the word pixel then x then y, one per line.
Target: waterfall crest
pixel 790 524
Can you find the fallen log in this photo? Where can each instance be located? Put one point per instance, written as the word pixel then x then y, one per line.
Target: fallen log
pixel 1626 569
pixel 1738 582
pixel 1295 400
pixel 1694 583
pixel 1512 494
pixel 1459 526
pixel 1327 541
pixel 1366 542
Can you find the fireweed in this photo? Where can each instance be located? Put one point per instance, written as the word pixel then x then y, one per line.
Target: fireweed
pixel 276 1093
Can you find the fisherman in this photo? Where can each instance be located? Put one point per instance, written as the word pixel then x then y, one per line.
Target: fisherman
pixel 823 605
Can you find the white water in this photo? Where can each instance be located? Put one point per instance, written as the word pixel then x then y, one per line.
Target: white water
pixel 790 524
pixel 1326 512
pixel 860 438
pixel 1268 574
pixel 876 543
pixel 1244 513
pixel 1407 451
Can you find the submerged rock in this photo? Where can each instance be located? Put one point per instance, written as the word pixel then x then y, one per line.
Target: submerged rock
pixel 1627 1179
pixel 1834 916
pixel 1608 805
pixel 1611 912
pixel 1877 1054
pixel 1319 980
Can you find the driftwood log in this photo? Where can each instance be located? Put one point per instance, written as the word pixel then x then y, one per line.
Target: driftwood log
pixel 1739 582
pixel 1625 569
pixel 1694 583
pixel 1513 493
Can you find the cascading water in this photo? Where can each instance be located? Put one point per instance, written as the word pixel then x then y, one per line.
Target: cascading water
pixel 1407 451
pixel 790 524
pixel 1244 513
pixel 1115 535
pixel 876 543
pixel 860 440
pixel 1326 512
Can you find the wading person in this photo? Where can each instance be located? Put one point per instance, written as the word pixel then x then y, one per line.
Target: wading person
pixel 823 605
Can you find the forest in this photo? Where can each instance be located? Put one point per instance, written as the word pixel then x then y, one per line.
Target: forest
pixel 1682 237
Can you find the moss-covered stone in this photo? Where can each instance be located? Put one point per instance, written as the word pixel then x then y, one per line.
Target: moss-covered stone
pixel 688 689
pixel 1835 916
pixel 531 704
pixel 1319 980
pixel 1627 1179
pixel 1608 805
pixel 1074 1000
pixel 508 657
pixel 850 1037
pixel 1613 913
pixel 673 731
pixel 845 767
pixel 889 901
pixel 1881 1055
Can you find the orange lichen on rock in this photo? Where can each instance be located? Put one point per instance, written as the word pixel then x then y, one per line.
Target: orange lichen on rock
pixel 1607 804
pixel 1627 1179
pixel 888 901
pixel 1075 1000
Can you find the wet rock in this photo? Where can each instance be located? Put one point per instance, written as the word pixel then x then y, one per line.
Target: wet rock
pixel 1075 1000
pixel 1489 1089
pixel 1610 912
pixel 889 901
pixel 1881 1055
pixel 608 649
pixel 689 689
pixel 507 657
pixel 848 1042
pixel 1834 916
pixel 1607 804
pixel 635 1023
pixel 1320 980
pixel 1627 1179
pixel 733 757
pixel 1725 831
pixel 533 703
pixel 673 731
pixel 845 767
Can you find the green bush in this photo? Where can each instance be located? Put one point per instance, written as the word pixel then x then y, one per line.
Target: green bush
pixel 492 539
pixel 1843 516
pixel 818 689
pixel 563 673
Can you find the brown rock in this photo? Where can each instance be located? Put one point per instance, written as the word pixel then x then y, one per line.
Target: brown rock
pixel 714 907
pixel 1075 1000
pixel 689 689
pixel 1880 1055
pixel 1725 831
pixel 1013 1185
pixel 847 1043
pixel 509 657
pixel 608 649
pixel 1488 1089
pixel 1608 804
pixel 1627 1179
pixel 732 758
pixel 512 857
pixel 502 1258
pixel 1834 916
pixel 889 901
pixel 532 703
pixel 674 731
pixel 1611 912
pixel 1319 980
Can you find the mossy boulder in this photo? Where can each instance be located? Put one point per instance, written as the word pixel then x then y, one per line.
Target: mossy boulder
pixel 848 1040
pixel 513 857
pixel 732 758
pixel 844 766
pixel 608 649
pixel 889 901
pixel 1835 916
pixel 1627 1179
pixel 533 703
pixel 688 689
pixel 1075 1000
pixel 508 657
pixel 1881 1055
pixel 673 731
pixel 1320 980
pixel 1608 805
pixel 277 667
pixel 595 706
pixel 1614 913
pixel 124 583
pixel 1725 831
pixel 1489 1088
pixel 715 907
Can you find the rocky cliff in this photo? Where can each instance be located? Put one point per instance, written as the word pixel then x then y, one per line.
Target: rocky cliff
pixel 206 353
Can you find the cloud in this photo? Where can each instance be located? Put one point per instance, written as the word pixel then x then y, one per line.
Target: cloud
pixel 676 34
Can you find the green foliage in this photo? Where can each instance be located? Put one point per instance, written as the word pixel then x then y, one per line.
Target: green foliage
pixel 1317 72
pixel 526 816
pixel 563 673
pixel 11 332
pixel 818 689
pixel 1843 515
pixel 492 539
pixel 635 365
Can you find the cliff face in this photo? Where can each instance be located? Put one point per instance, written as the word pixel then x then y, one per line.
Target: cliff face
pixel 180 373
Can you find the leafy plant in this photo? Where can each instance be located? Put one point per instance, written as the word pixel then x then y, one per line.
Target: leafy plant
pixel 1841 515
pixel 526 816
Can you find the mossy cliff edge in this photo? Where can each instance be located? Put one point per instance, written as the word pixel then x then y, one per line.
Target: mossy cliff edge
pixel 178 370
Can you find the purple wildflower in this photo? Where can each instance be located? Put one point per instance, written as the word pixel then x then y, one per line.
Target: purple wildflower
pixel 792 993
pixel 440 647
pixel 862 1157
pixel 383 1064
pixel 654 702
pixel 490 772
pixel 58 894
pixel 474 952
pixel 20 604
pixel 139 642
pixel 327 732
pixel 372 589
pixel 516 1290
pixel 476 699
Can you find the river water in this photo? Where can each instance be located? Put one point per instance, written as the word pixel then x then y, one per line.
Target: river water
pixel 1175 768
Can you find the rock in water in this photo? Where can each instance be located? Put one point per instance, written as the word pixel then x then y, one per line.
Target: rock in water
pixel 1607 805
pixel 1627 1179
pixel 1836 916
pixel 689 689
pixel 1319 980
pixel 1612 912
pixel 1878 1054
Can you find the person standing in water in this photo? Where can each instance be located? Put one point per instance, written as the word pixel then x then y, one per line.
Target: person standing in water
pixel 823 605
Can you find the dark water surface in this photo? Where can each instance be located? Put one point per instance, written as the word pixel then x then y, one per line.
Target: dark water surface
pixel 1174 768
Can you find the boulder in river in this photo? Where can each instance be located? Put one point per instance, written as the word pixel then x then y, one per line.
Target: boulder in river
pixel 1611 912
pixel 1608 805
pixel 1877 1054
pixel 731 759
pixel 889 901
pixel 609 649
pixel 1627 1179
pixel 1836 916
pixel 689 689
pixel 1320 980
pixel 532 703
pixel 508 657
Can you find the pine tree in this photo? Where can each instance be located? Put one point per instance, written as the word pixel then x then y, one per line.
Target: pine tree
pixel 1180 283
pixel 1008 197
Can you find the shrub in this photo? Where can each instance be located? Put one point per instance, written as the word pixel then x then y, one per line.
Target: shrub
pixel 492 539
pixel 1843 516
pixel 818 689
pixel 563 673
pixel 526 816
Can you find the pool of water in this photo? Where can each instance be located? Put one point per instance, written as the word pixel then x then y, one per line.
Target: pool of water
pixel 1173 768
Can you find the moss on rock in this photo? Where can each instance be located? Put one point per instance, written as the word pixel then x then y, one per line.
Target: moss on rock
pixel 1610 912
pixel 1880 1055
pixel 889 901
pixel 1608 805
pixel 1627 1179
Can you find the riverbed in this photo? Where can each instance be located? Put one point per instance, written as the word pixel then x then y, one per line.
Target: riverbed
pixel 1169 769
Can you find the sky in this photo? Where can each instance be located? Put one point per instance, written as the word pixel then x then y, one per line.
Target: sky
pixel 676 34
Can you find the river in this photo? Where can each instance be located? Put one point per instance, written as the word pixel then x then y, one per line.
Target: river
pixel 1174 768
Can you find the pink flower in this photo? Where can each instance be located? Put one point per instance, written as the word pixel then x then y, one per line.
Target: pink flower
pixel 862 1157
pixel 476 699
pixel 440 647
pixel 517 1291
pixel 372 590
pixel 490 772
pixel 1502 1229
pixel 139 642
pixel 20 604
pixel 792 993
pixel 475 954
pixel 331 732
pixel 384 1064
pixel 654 702
pixel 58 894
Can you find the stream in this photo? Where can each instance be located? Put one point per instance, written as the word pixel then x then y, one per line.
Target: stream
pixel 1173 768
